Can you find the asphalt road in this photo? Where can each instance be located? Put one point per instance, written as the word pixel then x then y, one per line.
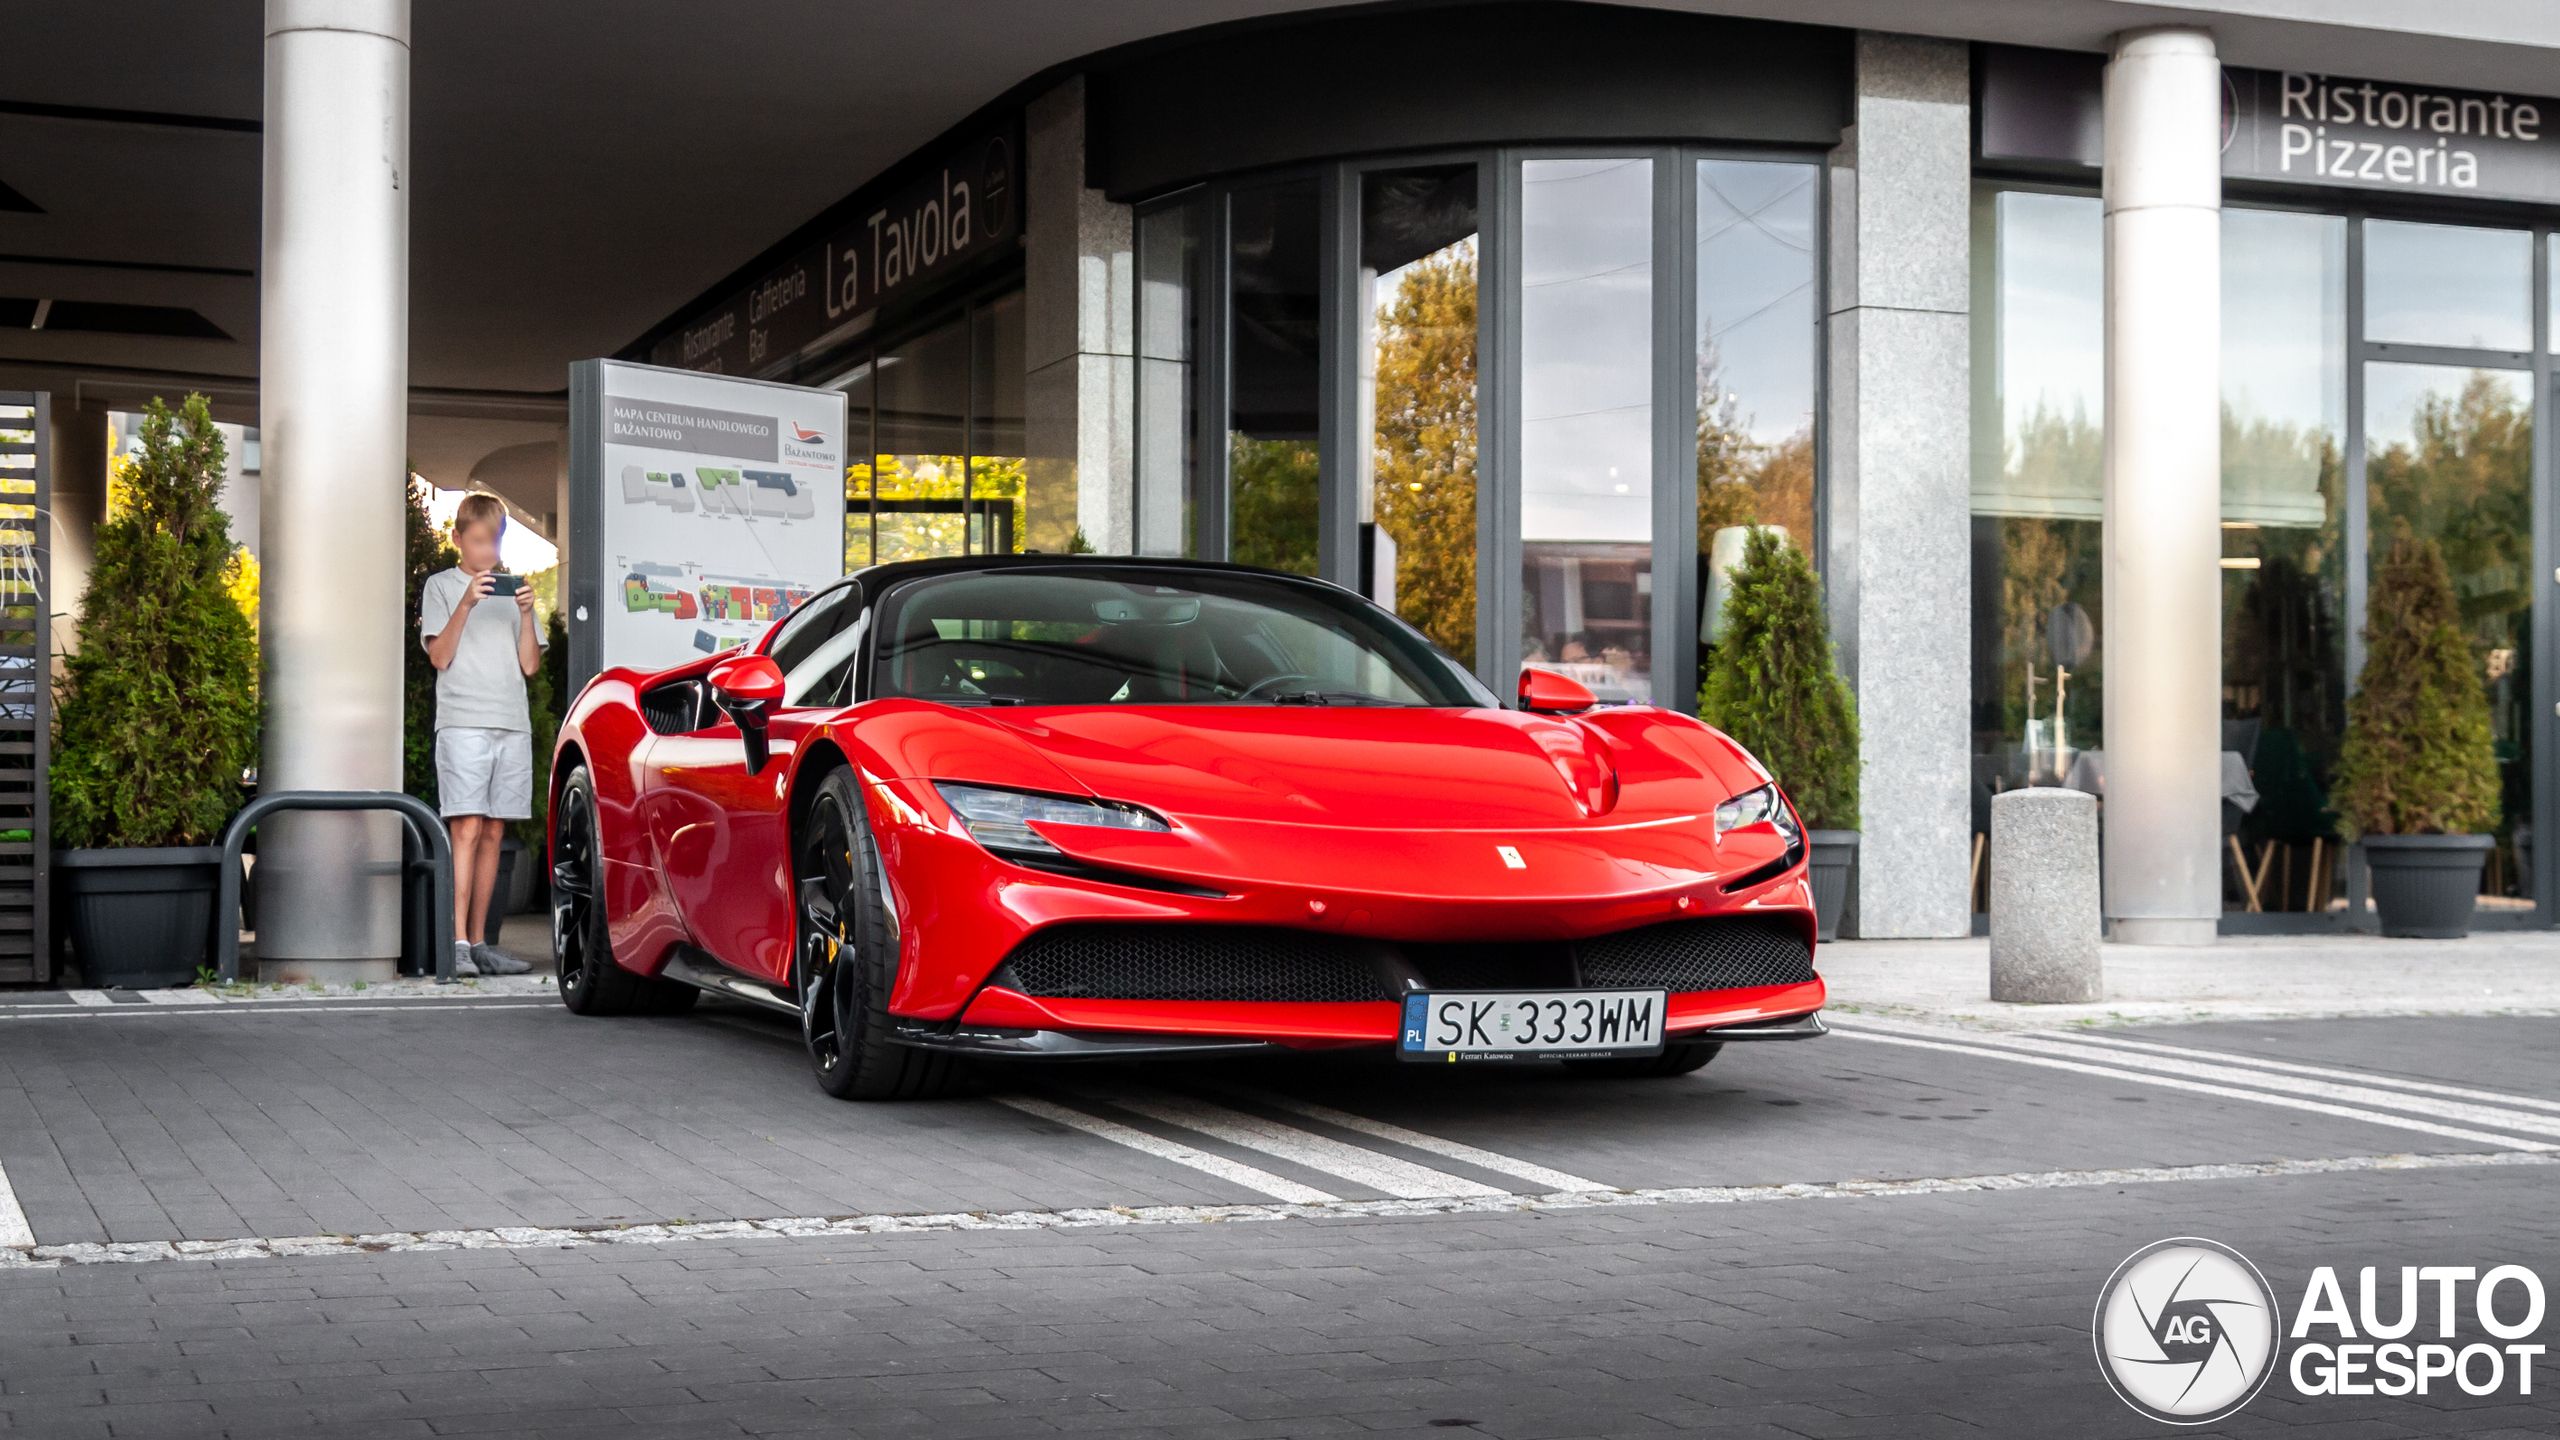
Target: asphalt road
pixel 427 1209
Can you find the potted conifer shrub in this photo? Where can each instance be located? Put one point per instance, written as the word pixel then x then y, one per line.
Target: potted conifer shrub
pixel 2417 779
pixel 158 715
pixel 1772 686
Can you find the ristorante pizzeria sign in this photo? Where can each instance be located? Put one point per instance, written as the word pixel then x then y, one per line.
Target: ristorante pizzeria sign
pixel 2324 130
pixel 966 204
pixel 2296 127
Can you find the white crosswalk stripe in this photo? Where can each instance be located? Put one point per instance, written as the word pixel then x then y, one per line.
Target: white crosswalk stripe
pixel 2359 1094
pixel 1539 1175
pixel 2423 1087
pixel 1991 1046
pixel 179 997
pixel 1235 1171
pixel 13 1221
pixel 1385 1174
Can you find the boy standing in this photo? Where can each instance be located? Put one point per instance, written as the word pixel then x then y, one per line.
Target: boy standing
pixel 483 647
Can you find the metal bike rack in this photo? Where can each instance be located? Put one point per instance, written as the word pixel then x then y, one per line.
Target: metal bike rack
pixel 425 827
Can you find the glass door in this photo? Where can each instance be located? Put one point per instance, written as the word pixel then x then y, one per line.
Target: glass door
pixel 1586 421
pixel 2445 372
pixel 1524 399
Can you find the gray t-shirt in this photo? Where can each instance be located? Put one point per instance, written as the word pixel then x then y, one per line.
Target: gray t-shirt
pixel 484 686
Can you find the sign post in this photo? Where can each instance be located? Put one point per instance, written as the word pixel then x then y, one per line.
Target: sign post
pixel 701 509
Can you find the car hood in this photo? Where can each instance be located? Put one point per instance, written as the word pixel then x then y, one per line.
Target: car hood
pixel 1481 806
pixel 1372 767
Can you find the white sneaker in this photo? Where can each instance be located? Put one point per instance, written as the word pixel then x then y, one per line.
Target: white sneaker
pixel 494 961
pixel 462 962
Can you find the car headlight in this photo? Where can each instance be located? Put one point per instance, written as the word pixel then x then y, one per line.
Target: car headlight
pixel 1001 819
pixel 1751 807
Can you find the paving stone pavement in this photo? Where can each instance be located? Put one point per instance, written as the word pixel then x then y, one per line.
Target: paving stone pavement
pixel 1932 1311
pixel 149 1125
pixel 1957 1315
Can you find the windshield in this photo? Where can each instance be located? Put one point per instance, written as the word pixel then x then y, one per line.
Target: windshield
pixel 1140 636
pixel 816 647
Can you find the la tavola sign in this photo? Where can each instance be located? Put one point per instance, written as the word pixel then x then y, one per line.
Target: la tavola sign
pixel 963 205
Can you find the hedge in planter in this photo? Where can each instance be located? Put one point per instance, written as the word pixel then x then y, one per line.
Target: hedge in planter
pixel 158 713
pixel 1772 686
pixel 2417 779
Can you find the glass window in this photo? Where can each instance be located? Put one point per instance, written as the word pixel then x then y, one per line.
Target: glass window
pixel 2454 285
pixel 920 479
pixel 859 462
pixel 2046 385
pixel 1757 313
pixel 1136 636
pixel 1418 480
pixel 945 472
pixel 1586 421
pixel 2283 516
pixel 2038 598
pixel 1005 516
pixel 2449 453
pixel 1275 312
pixel 1168 378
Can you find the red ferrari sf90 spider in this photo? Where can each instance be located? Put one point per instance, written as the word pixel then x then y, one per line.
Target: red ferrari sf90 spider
pixel 1049 807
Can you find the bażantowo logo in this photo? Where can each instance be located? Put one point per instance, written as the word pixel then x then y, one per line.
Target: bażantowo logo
pixel 2186 1331
pixel 807 436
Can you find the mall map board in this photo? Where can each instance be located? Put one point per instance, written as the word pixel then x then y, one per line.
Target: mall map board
pixel 702 508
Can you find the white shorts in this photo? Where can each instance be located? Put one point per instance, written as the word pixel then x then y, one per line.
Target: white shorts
pixel 484 772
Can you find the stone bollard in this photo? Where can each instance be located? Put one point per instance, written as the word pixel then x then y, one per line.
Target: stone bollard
pixel 2044 897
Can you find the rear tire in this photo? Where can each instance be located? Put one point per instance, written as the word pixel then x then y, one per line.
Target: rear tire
pixel 848 956
pixel 590 982
pixel 1674 1060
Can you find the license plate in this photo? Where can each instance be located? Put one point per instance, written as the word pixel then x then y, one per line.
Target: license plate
pixel 1457 1025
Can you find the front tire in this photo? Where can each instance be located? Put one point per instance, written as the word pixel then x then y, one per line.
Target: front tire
pixel 848 956
pixel 1674 1060
pixel 590 982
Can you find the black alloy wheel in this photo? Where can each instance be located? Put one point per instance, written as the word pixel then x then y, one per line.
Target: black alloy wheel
pixel 590 982
pixel 847 956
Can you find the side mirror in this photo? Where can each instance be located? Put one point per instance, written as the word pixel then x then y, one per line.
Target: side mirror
pixel 746 688
pixel 1544 692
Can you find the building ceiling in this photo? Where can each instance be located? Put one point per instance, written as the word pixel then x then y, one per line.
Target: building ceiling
pixel 583 170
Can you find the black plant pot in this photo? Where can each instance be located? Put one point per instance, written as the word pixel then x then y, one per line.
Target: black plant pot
pixel 2424 886
pixel 141 919
pixel 1834 853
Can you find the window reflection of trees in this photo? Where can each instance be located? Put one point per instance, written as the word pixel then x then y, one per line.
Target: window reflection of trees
pixel 1426 445
pixel 1743 481
pixel 2462 476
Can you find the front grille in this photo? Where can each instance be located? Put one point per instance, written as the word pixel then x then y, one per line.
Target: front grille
pixel 1489 965
pixel 1192 962
pixel 1710 954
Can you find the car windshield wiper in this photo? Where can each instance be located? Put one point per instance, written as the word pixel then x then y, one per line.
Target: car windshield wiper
pixel 1333 697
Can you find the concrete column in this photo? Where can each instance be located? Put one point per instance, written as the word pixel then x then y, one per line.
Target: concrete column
pixel 333 421
pixel 1896 544
pixel 2163 196
pixel 1078 281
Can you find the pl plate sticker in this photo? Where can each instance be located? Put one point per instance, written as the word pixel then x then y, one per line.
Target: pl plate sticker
pixel 2186 1331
